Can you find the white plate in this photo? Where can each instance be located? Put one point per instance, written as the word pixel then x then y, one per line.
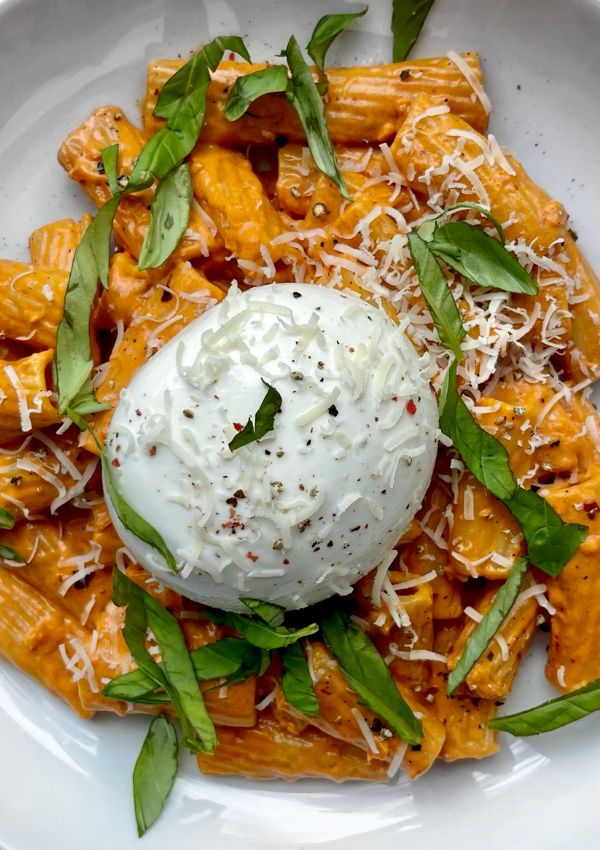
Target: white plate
pixel 65 783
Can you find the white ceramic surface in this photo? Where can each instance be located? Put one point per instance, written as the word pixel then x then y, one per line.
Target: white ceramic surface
pixel 65 784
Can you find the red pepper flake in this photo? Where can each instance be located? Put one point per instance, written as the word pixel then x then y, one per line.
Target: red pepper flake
pixel 115 462
pixel 285 562
pixel 251 556
pixel 394 398
pixel 238 426
pixel 138 412
pixel 411 407
pixel 231 55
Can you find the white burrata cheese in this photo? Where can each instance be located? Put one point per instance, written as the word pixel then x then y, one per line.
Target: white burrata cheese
pixel 320 500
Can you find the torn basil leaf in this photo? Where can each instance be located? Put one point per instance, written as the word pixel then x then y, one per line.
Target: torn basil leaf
pixel 257 632
pixel 182 102
pixel 272 615
pixel 552 714
pixel 7 520
pixel 368 675
pixel 10 554
pixel 437 294
pixel 324 34
pixel 176 675
pixel 155 772
pixel 73 357
pixel 304 96
pixel 479 258
pixel 296 683
pixel 551 543
pixel 490 623
pixel 249 87
pixel 264 420
pixel 169 217
pixel 408 17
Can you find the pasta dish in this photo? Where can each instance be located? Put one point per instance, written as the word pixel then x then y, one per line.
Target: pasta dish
pixel 297 452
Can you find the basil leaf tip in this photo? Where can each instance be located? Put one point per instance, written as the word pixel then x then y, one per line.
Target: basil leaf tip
pixel 249 87
pixel 296 682
pixel 484 632
pixel 73 361
pixel 437 294
pixel 324 34
pixel 155 772
pixel 552 714
pixel 169 217
pixel 264 420
pixel 7 520
pixel 408 17
pixel 551 542
pixel 10 554
pixel 304 96
pixel 176 675
pixel 368 675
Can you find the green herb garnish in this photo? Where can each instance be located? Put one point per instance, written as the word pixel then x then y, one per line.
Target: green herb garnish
pixel 272 615
pixel 408 17
pixel 232 658
pixel 437 295
pixel 9 554
pixel 130 518
pixel 489 625
pixel 155 771
pixel 169 217
pixel 296 682
pixel 478 257
pixel 304 96
pixel 249 87
pixel 553 714
pixel 176 675
pixel 257 632
pixel 368 675
pixel 7 520
pixel 264 420
pixel 324 34
pixel 73 358
pixel 551 543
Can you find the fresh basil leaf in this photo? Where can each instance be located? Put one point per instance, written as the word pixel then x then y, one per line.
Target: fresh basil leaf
pixel 368 675
pixel 155 771
pixel 486 458
pixel 257 632
pixel 480 258
pixel 324 34
pixel 489 625
pixel 7 520
pixel 304 96
pixel 550 541
pixel 109 158
pixel 269 613
pixel 471 205
pixel 408 17
pixel 10 554
pixel 228 657
pixel 135 687
pixel 296 682
pixel 182 102
pixel 73 358
pixel 437 294
pixel 130 518
pixel 169 217
pixel 249 87
pixel 264 420
pixel 552 714
pixel 176 676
